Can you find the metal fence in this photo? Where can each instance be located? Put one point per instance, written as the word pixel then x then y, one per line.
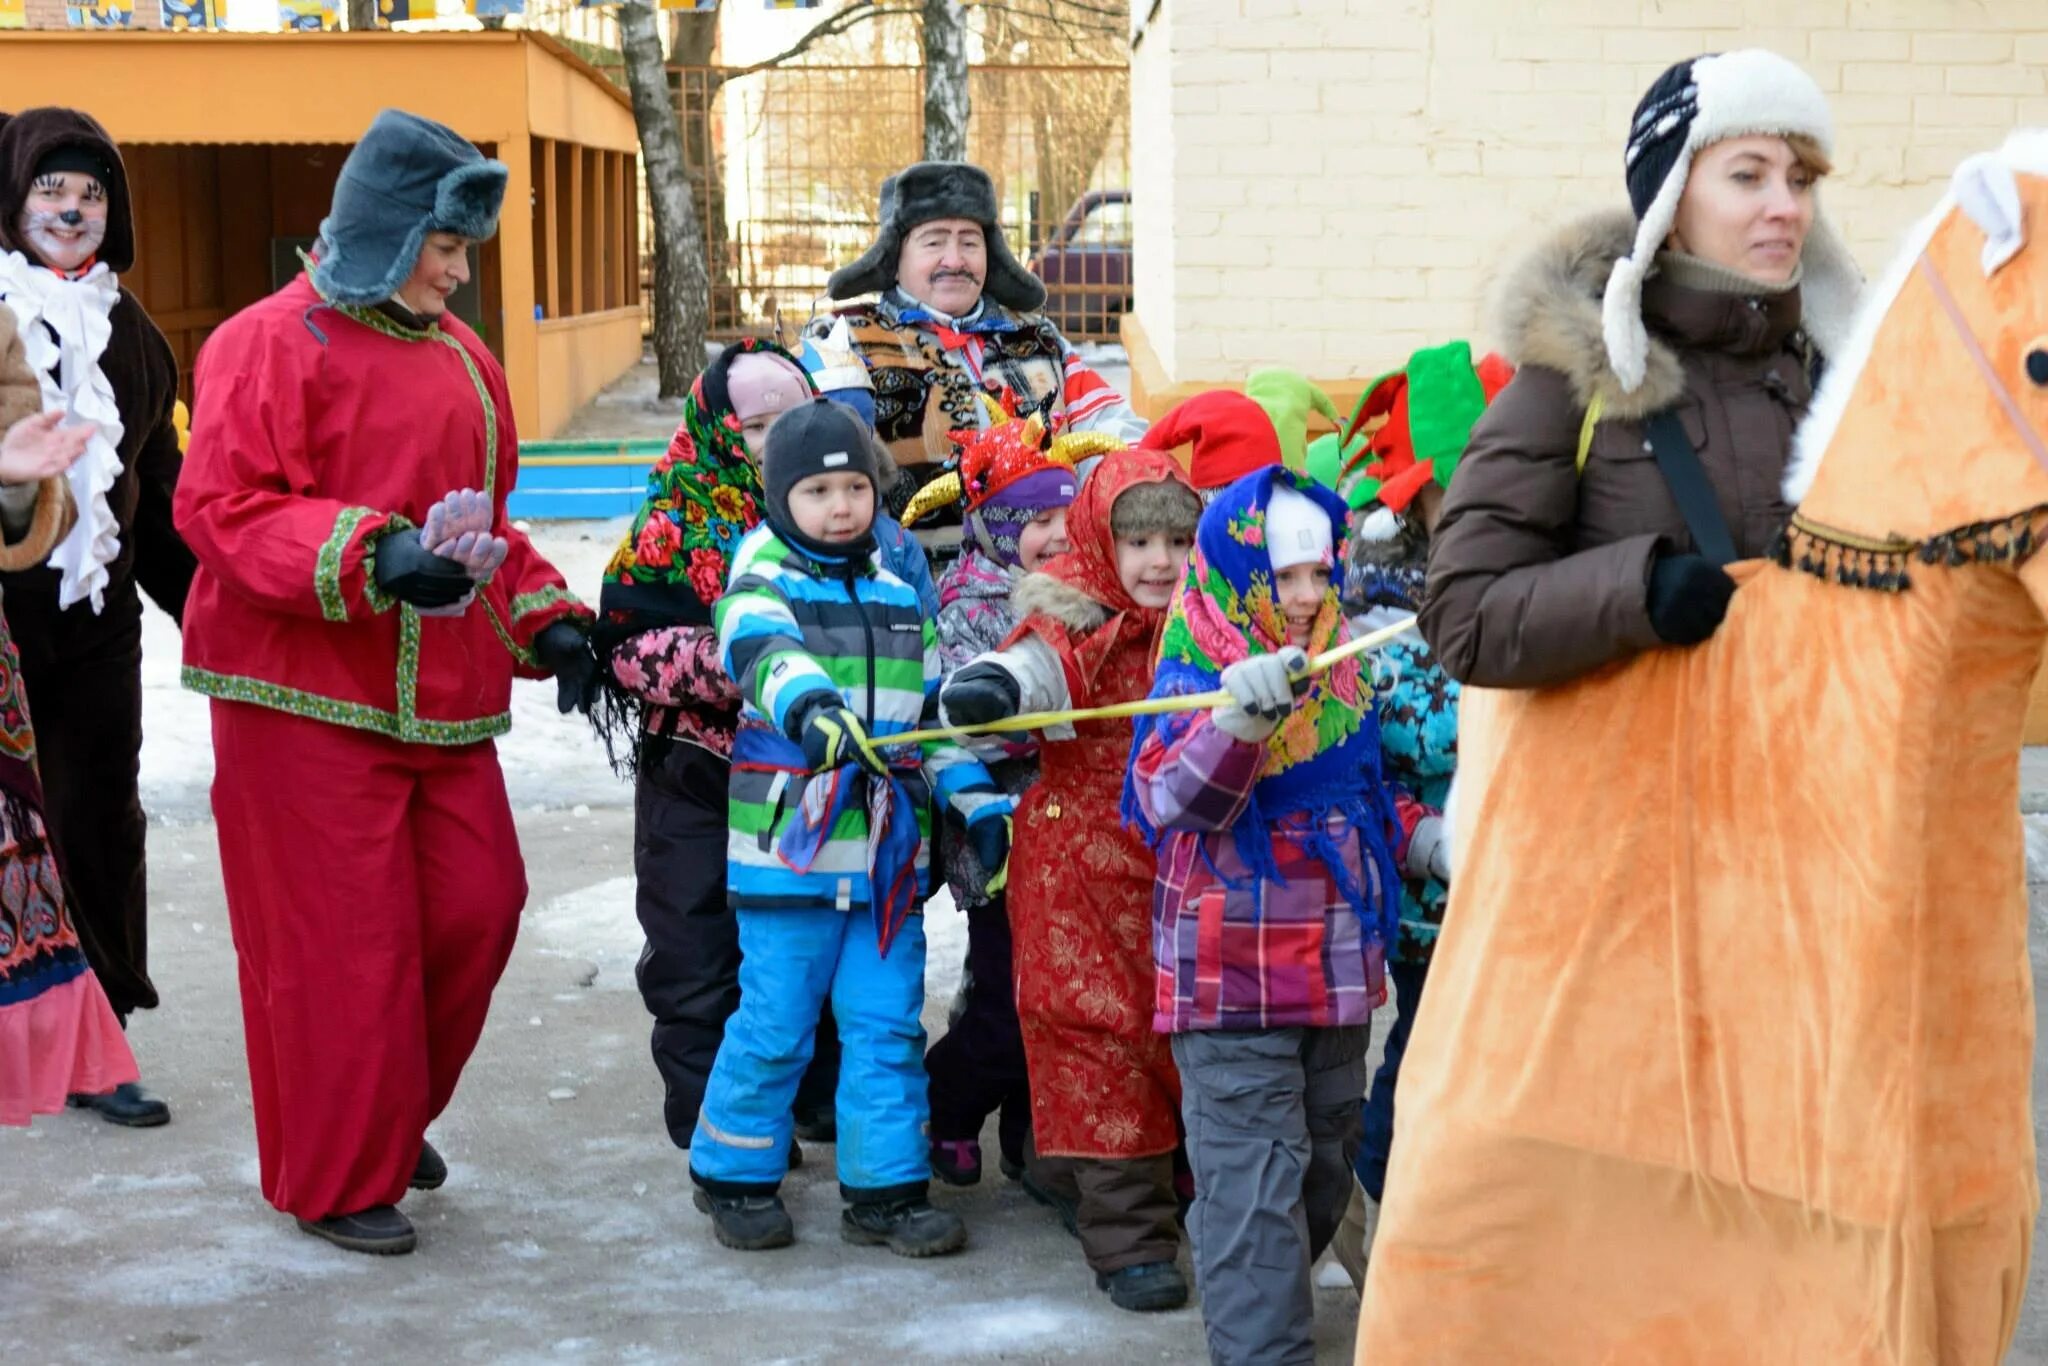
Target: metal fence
pixel 788 162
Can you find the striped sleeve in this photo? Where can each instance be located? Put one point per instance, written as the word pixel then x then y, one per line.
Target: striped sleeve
pixel 949 766
pixel 762 648
pixel 1092 405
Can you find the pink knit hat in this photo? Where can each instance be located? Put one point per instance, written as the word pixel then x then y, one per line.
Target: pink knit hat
pixel 759 383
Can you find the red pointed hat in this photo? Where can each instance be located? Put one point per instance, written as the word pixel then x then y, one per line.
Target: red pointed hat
pixel 1232 436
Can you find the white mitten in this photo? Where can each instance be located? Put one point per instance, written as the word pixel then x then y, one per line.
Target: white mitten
pixel 1261 692
pixel 1429 850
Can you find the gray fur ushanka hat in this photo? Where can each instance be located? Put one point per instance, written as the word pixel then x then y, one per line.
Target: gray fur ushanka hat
pixel 932 190
pixel 408 177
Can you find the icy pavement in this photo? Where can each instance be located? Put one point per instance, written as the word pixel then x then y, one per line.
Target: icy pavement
pixel 565 1232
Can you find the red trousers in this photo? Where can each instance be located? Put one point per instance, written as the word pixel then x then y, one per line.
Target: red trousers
pixel 374 889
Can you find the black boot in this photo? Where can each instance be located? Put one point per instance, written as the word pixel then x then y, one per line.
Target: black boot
pixel 746 1223
pixel 1148 1288
pixel 127 1105
pixel 430 1172
pixel 908 1226
pixel 380 1229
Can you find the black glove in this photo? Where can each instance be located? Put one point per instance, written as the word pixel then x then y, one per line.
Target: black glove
pixel 978 694
pixel 1688 597
pixel 563 649
pixel 833 737
pixel 410 572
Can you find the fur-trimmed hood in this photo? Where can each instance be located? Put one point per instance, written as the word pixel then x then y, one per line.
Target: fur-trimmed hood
pixel 1041 593
pixel 1547 312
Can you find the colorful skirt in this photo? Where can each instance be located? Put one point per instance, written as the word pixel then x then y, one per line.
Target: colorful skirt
pixel 58 1035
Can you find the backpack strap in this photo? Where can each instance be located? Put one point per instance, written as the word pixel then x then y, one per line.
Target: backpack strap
pixel 1593 411
pixel 1687 479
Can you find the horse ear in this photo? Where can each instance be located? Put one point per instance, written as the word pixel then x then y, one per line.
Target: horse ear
pixel 1986 190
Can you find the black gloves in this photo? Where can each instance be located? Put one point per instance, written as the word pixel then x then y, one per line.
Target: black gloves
pixel 563 649
pixel 410 572
pixel 833 737
pixel 1688 597
pixel 978 694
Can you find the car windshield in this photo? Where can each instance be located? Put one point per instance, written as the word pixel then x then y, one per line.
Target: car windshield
pixel 1108 224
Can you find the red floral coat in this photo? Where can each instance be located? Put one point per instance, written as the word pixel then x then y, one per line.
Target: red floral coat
pixel 1103 1084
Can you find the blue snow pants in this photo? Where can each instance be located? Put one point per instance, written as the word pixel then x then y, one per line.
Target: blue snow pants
pixel 791 962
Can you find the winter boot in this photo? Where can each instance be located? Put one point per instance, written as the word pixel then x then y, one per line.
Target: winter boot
pixel 430 1172
pixel 380 1230
pixel 1148 1288
pixel 127 1105
pixel 908 1227
pixel 796 1154
pixel 818 1126
pixel 746 1223
pixel 957 1161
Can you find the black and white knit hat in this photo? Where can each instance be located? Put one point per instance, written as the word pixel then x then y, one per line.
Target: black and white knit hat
pixel 1693 105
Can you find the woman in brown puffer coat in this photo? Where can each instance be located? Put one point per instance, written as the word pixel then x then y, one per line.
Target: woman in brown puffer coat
pixel 1561 546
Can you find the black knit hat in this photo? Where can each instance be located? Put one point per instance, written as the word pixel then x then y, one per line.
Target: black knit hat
pixel 1691 106
pixel 819 437
pixel 1657 132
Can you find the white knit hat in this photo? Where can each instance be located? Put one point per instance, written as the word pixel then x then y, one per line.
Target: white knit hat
pixel 1693 105
pixel 1297 530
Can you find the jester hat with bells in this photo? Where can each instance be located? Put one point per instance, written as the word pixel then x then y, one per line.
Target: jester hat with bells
pixel 1007 473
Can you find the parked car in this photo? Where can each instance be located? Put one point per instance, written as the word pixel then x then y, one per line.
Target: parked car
pixel 1086 265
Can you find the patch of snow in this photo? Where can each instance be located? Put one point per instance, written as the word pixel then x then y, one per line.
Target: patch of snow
pixel 551 762
pixel 1012 1326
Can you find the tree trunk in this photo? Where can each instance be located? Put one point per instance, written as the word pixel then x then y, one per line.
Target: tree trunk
pixel 693 42
pixel 681 302
pixel 946 103
pixel 362 15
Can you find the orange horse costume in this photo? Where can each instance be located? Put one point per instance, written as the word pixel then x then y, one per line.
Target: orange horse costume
pixel 1726 1053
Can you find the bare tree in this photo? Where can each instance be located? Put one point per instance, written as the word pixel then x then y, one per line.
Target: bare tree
pixel 681 288
pixel 946 99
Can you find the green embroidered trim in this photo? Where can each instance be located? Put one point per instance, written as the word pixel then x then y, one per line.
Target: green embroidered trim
pixel 313 707
pixel 540 599
pixel 327 564
pixel 512 647
pixel 378 322
pixel 379 600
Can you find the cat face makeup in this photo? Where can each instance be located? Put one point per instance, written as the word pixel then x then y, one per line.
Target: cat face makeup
pixel 65 218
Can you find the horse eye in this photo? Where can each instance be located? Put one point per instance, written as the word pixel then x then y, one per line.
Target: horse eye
pixel 2037 366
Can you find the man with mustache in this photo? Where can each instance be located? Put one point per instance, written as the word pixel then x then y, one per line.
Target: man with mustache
pixel 955 315
pixel 65 236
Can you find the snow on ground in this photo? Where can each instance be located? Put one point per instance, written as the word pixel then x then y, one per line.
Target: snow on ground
pixel 552 762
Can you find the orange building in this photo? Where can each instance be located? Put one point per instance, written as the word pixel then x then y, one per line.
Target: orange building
pixel 233 141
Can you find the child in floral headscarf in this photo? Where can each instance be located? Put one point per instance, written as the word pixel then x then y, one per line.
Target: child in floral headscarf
pixel 1016 493
pixel 1280 853
pixel 667 682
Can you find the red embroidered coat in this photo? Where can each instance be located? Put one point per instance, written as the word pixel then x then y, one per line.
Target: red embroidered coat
pixel 1103 1083
pixel 316 430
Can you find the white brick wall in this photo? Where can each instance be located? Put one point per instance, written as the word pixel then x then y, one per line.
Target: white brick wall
pixel 1329 184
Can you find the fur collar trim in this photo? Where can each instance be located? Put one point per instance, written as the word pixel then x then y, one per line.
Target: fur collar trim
pixel 1547 313
pixel 1058 599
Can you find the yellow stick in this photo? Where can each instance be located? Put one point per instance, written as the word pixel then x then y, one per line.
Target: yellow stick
pixel 1150 706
